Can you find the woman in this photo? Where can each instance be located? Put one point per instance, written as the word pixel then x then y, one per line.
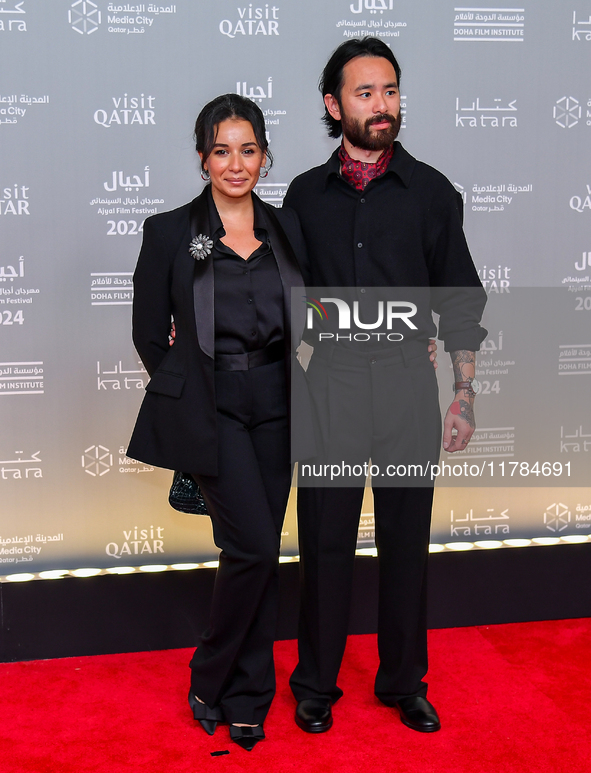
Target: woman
pixel 217 403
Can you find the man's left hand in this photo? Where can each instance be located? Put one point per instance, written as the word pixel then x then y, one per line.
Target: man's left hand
pixel 459 424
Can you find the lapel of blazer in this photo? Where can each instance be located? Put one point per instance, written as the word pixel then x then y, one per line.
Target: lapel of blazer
pixel 288 270
pixel 202 276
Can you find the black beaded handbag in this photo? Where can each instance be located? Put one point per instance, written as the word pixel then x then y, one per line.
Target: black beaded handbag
pixel 185 495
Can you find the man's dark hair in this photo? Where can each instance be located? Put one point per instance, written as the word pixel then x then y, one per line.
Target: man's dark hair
pixel 220 109
pixel 331 80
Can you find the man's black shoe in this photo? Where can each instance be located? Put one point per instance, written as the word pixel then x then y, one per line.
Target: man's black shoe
pixel 314 715
pixel 416 712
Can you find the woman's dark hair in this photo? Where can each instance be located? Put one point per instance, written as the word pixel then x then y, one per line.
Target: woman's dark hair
pixel 331 80
pixel 220 109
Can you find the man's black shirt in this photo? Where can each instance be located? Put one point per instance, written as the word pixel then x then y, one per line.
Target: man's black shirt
pixel 403 230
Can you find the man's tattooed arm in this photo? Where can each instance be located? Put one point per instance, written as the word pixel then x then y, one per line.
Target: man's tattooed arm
pixel 463 362
pixel 456 435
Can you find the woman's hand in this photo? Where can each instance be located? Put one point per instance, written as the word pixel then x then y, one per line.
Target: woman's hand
pixel 172 336
pixel 432 349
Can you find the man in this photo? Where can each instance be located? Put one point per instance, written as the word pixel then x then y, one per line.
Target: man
pixel 373 216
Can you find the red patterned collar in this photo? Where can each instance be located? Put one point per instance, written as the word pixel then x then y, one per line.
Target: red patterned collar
pixel 359 173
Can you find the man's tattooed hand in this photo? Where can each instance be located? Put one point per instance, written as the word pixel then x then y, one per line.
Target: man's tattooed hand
pixel 467 412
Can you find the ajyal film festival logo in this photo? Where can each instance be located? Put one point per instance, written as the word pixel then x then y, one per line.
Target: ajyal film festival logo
pixel 84 17
pixel 567 112
pixel 97 461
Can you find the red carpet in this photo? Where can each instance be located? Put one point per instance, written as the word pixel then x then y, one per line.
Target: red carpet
pixel 512 699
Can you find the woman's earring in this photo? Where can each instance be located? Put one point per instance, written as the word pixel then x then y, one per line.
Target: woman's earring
pixel 263 173
pixel 205 175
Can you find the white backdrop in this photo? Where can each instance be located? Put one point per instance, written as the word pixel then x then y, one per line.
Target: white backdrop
pixel 97 104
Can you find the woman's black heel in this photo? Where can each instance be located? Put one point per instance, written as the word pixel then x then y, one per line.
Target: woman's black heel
pixel 246 737
pixel 207 718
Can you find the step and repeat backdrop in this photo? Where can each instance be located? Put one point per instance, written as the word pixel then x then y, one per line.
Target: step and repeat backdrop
pixel 97 105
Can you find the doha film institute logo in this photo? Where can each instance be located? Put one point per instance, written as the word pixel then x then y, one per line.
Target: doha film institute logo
pixel 84 17
pixel 557 517
pixel 567 112
pixel 97 461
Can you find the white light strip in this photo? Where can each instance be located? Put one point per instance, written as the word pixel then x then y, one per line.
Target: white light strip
pixel 90 572
pixel 54 574
pixel 448 547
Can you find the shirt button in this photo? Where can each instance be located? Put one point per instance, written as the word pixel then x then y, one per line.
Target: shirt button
pixel 253 332
pixel 245 271
pixel 360 244
pixel 250 300
pixel 362 290
pixel 373 360
pixel 362 201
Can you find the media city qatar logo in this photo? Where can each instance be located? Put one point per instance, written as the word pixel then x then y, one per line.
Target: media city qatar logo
pixel 97 461
pixel 84 17
pixel 567 112
pixel 462 191
pixel 557 517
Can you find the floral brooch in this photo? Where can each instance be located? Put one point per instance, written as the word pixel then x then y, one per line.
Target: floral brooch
pixel 200 247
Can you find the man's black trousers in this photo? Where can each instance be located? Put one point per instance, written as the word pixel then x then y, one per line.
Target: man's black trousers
pixel 384 407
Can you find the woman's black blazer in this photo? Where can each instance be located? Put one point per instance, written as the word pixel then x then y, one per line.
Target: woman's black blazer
pixel 176 425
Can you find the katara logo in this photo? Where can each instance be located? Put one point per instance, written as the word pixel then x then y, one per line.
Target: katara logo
pixel 557 517
pixel 97 461
pixel 84 17
pixel 567 112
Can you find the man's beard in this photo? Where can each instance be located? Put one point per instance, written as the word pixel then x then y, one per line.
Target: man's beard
pixel 361 136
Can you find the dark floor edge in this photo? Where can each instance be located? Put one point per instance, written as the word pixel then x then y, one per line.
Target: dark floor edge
pixel 129 613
